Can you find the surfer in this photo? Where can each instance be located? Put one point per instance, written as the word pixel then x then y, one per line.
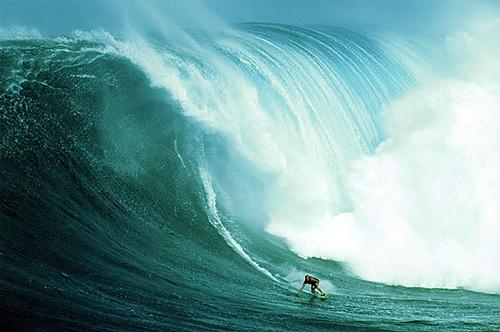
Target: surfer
pixel 314 282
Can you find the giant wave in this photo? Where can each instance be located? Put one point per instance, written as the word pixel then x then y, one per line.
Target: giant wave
pixel 139 168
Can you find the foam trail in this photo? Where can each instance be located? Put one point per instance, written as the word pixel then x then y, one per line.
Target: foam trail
pixel 216 221
pixel 178 154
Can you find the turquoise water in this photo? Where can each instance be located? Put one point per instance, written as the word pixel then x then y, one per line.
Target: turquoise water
pixel 153 185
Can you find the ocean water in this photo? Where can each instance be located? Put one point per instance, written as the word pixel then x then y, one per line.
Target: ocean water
pixel 151 184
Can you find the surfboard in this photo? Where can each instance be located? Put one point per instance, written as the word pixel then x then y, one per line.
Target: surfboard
pixel 314 295
pixel 322 297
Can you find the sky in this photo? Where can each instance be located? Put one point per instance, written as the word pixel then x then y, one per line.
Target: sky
pixel 55 17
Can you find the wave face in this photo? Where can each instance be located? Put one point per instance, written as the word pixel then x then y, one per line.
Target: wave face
pixel 152 184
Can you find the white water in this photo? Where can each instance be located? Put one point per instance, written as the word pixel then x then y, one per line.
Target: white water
pixel 426 204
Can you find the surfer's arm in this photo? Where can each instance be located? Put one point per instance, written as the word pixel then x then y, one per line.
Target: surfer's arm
pixel 302 287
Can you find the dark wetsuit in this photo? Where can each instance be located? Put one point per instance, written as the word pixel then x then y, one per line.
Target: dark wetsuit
pixel 314 282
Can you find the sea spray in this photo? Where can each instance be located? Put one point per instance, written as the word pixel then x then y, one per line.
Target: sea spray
pixel 425 204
